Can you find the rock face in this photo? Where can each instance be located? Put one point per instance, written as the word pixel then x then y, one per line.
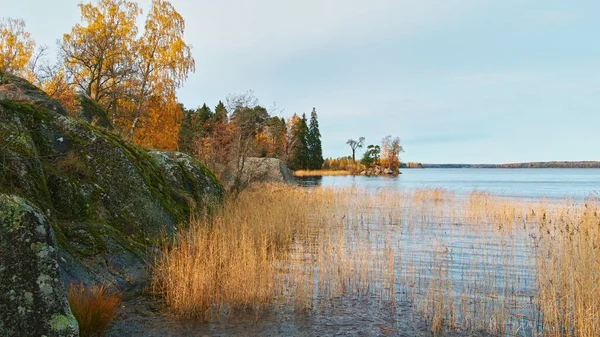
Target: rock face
pixel 265 170
pixel 105 199
pixel 32 298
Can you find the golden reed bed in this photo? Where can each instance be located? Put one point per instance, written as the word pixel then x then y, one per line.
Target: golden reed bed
pixel 475 262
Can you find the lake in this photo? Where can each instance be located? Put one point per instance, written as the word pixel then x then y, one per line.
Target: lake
pixel 522 183
pixel 395 257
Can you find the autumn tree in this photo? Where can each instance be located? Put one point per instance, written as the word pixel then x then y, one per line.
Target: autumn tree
pixel 355 144
pixel 55 81
pixel 163 63
pixel 315 149
pixel 275 131
pixel 390 152
pixel 160 127
pixel 249 119
pixel 99 52
pixel 16 46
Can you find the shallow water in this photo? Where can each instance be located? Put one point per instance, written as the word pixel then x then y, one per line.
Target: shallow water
pixel 523 183
pixel 438 253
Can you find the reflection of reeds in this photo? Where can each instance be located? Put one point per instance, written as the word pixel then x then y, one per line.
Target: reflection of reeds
pixel 319 173
pixel 477 262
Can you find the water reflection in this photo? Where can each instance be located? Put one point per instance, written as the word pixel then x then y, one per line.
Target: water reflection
pixel 523 183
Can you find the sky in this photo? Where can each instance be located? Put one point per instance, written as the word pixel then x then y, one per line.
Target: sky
pixel 459 81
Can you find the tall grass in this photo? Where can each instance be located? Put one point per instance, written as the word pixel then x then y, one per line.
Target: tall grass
pixel 476 262
pixel 94 308
pixel 228 262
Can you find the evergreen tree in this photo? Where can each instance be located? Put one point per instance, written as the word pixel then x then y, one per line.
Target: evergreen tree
pixel 220 113
pixel 193 127
pixel 204 114
pixel 315 150
pixel 303 136
pixel 186 132
pixel 298 158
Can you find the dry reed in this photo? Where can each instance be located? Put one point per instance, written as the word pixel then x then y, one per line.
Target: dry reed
pixel 477 262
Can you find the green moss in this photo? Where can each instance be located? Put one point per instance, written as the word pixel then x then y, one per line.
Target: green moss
pixel 91 111
pixel 3 79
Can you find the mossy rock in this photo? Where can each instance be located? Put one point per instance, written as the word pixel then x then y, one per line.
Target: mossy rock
pixel 32 298
pixel 91 112
pixel 107 199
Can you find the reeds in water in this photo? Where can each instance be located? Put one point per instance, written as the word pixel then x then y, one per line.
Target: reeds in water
pixel 476 262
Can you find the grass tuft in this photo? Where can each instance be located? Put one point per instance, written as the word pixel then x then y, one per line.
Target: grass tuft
pixel 94 308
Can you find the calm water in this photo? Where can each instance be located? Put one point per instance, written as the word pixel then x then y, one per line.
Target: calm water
pixel 481 267
pixel 525 183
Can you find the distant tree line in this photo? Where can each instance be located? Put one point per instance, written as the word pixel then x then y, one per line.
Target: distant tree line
pixel 548 164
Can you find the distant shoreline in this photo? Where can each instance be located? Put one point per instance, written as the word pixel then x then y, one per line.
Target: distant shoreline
pixel 552 164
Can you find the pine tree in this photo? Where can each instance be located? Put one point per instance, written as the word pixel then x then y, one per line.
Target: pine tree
pixel 220 113
pixel 315 150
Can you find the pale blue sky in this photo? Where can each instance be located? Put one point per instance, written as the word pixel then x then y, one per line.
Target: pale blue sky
pixel 464 81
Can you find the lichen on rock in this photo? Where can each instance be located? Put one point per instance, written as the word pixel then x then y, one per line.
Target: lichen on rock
pixel 32 298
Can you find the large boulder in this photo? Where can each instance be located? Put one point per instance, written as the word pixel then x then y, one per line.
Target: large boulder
pixel 106 199
pixel 32 299
pixel 263 170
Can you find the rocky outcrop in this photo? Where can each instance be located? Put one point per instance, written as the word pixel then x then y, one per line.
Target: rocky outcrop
pixel 263 170
pixel 106 199
pixel 32 298
pixel 378 170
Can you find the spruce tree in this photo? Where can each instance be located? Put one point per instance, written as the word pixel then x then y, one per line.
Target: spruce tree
pixel 304 159
pixel 298 158
pixel 220 113
pixel 315 150
pixel 204 113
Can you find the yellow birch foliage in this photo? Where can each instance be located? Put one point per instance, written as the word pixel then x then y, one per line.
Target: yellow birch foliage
pixel 164 61
pixel 58 87
pixel 16 46
pixel 159 127
pixel 98 52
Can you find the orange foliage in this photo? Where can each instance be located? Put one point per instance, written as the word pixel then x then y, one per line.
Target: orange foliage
pixel 215 149
pixel 159 127
pixel 57 87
